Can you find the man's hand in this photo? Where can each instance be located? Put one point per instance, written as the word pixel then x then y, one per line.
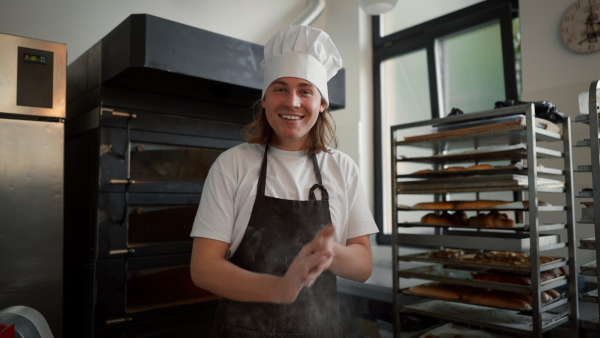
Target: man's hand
pixel 314 258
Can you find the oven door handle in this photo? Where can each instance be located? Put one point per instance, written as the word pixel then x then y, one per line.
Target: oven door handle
pixel 121 252
pixel 121 181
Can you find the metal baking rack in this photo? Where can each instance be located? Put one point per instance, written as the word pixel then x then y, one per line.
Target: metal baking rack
pixel 590 214
pixel 502 138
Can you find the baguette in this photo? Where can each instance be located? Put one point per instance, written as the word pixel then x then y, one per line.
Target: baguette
pixel 434 205
pixel 436 290
pixel 496 300
pixel 480 204
pixel 480 167
pixel 453 169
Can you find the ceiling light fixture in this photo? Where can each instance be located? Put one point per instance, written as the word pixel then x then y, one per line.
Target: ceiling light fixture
pixel 377 7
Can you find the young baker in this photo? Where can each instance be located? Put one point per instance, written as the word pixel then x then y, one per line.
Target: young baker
pixel 284 214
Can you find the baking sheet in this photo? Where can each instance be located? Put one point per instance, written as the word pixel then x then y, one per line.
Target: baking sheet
pixel 508 206
pixel 470 172
pixel 509 181
pixel 453 330
pixel 500 319
pixel 499 241
pixel 464 277
pixel 583 118
pixel 586 193
pixel 584 143
pixel 589 269
pixel 514 152
pixel 546 129
pixel 588 243
pixel 591 296
pixel 424 257
pixel 517 227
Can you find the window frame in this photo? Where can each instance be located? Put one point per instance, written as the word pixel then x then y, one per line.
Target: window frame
pixel 423 36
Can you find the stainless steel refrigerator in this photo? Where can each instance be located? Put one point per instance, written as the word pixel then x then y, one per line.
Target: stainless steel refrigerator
pixel 32 112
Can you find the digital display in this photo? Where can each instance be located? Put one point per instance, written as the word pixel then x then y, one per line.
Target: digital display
pixel 35 58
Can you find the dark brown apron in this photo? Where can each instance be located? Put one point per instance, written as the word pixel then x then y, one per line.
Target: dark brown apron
pixel 276 232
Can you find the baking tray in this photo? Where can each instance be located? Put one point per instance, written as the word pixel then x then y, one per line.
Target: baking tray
pixel 452 330
pixel 439 273
pixel 589 269
pixel 491 171
pixel 499 319
pixel 587 215
pixel 586 193
pixel 500 241
pixel 509 206
pixel 584 143
pixel 424 257
pixel 583 168
pixel 591 297
pixel 515 153
pixel 588 243
pixel 517 227
pixel 504 182
pixel 490 132
pixel 583 118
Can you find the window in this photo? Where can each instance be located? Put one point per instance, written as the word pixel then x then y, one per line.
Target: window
pixel 465 60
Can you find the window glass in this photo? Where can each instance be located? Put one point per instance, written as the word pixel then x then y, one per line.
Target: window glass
pixel 471 69
pixel 405 98
pixel 408 13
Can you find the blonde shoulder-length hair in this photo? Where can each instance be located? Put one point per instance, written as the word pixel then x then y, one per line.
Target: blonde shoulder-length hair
pixel 322 134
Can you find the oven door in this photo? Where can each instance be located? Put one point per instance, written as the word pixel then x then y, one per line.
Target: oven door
pixel 135 290
pixel 152 152
pixel 156 162
pixel 142 224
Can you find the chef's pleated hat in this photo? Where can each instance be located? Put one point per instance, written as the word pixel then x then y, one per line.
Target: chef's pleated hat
pixel 302 52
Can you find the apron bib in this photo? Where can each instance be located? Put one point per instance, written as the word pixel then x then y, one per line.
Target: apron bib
pixel 276 232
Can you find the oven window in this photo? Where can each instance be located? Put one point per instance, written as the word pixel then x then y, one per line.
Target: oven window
pixel 166 163
pixel 150 225
pixel 162 287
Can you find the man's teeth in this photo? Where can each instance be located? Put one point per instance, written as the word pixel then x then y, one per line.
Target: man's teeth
pixel 290 117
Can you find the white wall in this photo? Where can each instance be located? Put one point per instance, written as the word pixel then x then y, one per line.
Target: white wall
pixel 553 73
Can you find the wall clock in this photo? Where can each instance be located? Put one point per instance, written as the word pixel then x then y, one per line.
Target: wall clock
pixel 580 26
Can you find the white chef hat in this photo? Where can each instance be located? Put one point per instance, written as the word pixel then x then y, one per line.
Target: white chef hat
pixel 302 52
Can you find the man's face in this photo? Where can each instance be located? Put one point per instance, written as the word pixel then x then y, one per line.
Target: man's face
pixel 292 106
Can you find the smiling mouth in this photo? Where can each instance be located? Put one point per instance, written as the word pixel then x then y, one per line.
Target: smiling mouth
pixel 291 117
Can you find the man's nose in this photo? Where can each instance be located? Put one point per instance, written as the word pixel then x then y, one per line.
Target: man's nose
pixel 292 100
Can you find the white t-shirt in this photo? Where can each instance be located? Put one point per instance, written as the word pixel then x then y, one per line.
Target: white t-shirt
pixel 230 191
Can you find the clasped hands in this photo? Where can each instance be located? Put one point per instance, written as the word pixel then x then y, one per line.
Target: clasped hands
pixel 315 257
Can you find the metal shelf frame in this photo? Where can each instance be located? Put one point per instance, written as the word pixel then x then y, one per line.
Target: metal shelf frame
pixel 529 135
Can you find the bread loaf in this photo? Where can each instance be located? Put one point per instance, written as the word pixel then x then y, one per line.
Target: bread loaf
pixel 494 219
pixel 432 218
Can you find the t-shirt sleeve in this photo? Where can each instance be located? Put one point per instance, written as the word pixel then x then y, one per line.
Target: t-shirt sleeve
pixel 360 218
pixel 215 216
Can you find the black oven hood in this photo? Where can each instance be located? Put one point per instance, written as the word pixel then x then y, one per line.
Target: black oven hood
pixel 160 56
